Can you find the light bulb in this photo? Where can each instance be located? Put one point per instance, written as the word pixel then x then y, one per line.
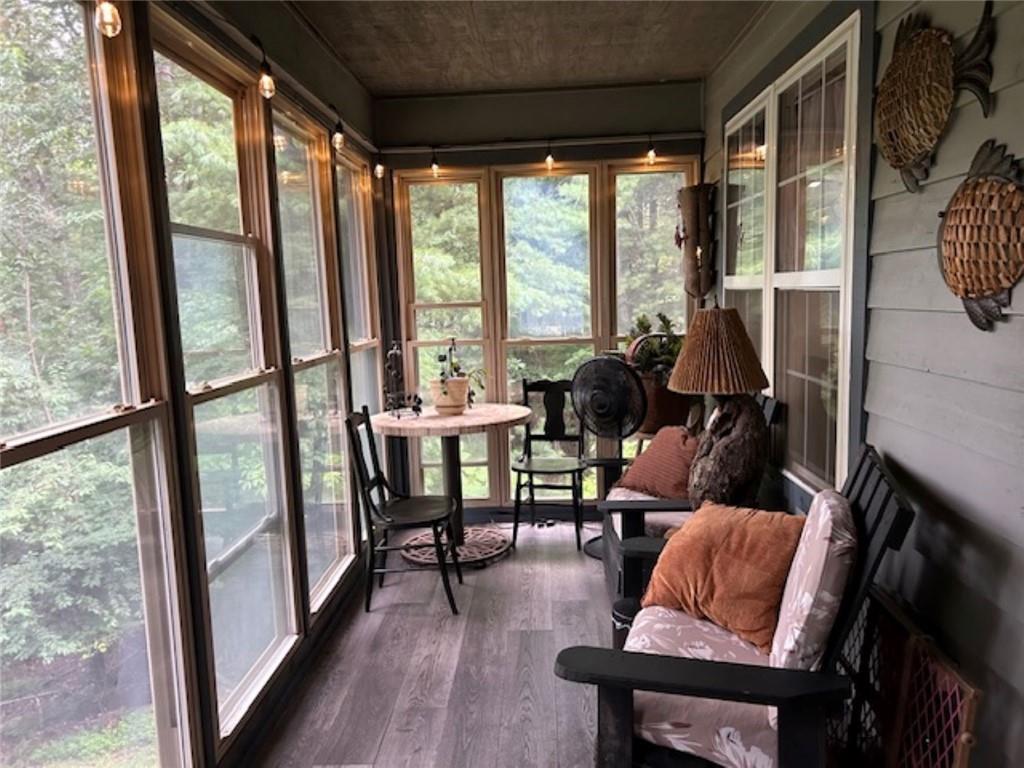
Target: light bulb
pixel 549 161
pixel 434 167
pixel 108 18
pixel 338 139
pixel 378 171
pixel 266 82
pixel 651 155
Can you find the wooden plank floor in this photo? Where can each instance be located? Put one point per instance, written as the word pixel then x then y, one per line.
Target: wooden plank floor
pixel 411 685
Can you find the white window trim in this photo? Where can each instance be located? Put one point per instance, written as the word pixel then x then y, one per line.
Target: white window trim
pixel 842 278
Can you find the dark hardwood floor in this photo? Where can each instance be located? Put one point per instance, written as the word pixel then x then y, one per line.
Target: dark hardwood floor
pixel 411 685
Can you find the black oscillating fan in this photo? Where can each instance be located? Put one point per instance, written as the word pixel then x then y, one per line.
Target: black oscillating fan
pixel 610 401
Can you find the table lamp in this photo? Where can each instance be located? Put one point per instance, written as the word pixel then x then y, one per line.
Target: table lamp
pixel 718 359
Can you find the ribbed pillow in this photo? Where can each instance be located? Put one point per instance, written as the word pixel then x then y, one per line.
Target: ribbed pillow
pixel 663 469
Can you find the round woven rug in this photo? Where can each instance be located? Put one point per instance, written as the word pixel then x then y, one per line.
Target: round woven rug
pixel 482 545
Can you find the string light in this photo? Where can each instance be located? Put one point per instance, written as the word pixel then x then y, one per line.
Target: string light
pixel 435 168
pixel 651 154
pixel 338 136
pixel 378 170
pixel 549 161
pixel 266 83
pixel 108 18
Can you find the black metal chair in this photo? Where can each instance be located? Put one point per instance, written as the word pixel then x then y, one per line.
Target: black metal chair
pixel 527 466
pixel 804 699
pixel 392 511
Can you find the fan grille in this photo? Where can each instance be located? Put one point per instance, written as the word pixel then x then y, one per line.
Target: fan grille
pixel 609 397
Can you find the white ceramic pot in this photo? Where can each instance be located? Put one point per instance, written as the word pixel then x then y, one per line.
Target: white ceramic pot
pixel 450 397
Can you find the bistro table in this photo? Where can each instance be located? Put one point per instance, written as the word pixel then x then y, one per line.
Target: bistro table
pixel 476 544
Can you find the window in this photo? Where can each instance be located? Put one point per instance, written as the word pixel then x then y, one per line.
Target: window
pixel 447 291
pixel 90 661
pixel 788 248
pixel 315 343
pixel 233 377
pixel 648 265
pixel 514 262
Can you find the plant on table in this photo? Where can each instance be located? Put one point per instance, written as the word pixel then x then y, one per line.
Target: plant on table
pixel 453 390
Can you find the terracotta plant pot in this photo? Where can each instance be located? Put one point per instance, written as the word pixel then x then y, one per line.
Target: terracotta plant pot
pixel 664 407
pixel 451 402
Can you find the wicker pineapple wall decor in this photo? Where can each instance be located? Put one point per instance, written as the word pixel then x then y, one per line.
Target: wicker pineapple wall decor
pixel 981 236
pixel 915 97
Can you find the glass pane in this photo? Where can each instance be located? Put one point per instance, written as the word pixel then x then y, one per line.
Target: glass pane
pixel 648 266
pixel 243 507
pixel 445 242
pixel 760 149
pixel 732 238
pixel 300 241
pixel 810 220
pixel 547 361
pixel 789 254
pixel 75 660
pixel 470 356
pixel 475 480
pixel 58 327
pixel 749 305
pixel 353 256
pixel 833 215
pixel 215 281
pixel 835 105
pixel 547 255
pixel 366 387
pixel 734 166
pixel 200 161
pixel 807 354
pixel 745 176
pixel 455 322
pixel 789 133
pixel 810 119
pixel 325 500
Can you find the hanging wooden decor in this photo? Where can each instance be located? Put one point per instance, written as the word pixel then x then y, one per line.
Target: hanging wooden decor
pixel 981 237
pixel 695 207
pixel 916 95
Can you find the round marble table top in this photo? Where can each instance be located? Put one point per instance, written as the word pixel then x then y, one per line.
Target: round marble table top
pixel 480 418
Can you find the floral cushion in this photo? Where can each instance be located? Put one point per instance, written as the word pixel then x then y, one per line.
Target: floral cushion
pixel 824 557
pixel 728 733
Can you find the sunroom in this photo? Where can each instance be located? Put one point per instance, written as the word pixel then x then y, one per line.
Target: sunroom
pixel 511 383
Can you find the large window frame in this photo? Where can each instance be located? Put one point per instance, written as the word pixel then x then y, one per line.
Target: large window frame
pixel 771 279
pixel 144 415
pixel 603 335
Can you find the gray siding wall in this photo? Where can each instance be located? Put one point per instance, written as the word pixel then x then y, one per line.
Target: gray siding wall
pixel 945 401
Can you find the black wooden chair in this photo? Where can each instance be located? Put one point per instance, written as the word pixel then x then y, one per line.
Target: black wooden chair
pixel 527 467
pixel 804 699
pixel 392 511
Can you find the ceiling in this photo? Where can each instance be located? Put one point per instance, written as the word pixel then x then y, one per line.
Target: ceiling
pixel 420 48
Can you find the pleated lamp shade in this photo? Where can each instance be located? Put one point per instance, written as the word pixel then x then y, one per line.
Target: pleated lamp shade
pixel 717 357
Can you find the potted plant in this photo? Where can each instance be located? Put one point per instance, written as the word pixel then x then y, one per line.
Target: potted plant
pixel 653 354
pixel 452 390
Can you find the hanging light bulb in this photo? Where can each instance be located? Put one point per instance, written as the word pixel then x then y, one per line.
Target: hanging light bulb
pixel 435 168
pixel 378 170
pixel 549 161
pixel 651 154
pixel 108 18
pixel 267 87
pixel 338 134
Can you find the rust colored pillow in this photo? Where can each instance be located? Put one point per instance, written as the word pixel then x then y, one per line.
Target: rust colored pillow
pixel 663 469
pixel 728 565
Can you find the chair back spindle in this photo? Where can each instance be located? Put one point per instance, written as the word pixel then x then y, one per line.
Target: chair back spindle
pixel 368 482
pixel 555 396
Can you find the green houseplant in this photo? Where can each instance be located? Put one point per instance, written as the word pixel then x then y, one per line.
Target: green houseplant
pixel 452 390
pixel 653 352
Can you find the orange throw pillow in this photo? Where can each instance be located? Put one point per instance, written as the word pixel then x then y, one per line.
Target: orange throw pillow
pixel 663 469
pixel 728 565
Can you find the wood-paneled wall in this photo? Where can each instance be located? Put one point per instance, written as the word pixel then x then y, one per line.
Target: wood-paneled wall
pixel 945 401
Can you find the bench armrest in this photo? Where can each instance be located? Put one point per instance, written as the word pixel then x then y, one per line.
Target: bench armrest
pixel 643 548
pixel 721 680
pixel 651 505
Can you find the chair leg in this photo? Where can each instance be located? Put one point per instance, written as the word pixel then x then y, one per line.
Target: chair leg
pixel 443 566
pixel 577 507
pixel 383 561
pixel 533 502
pixel 371 559
pixel 516 506
pixel 454 550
